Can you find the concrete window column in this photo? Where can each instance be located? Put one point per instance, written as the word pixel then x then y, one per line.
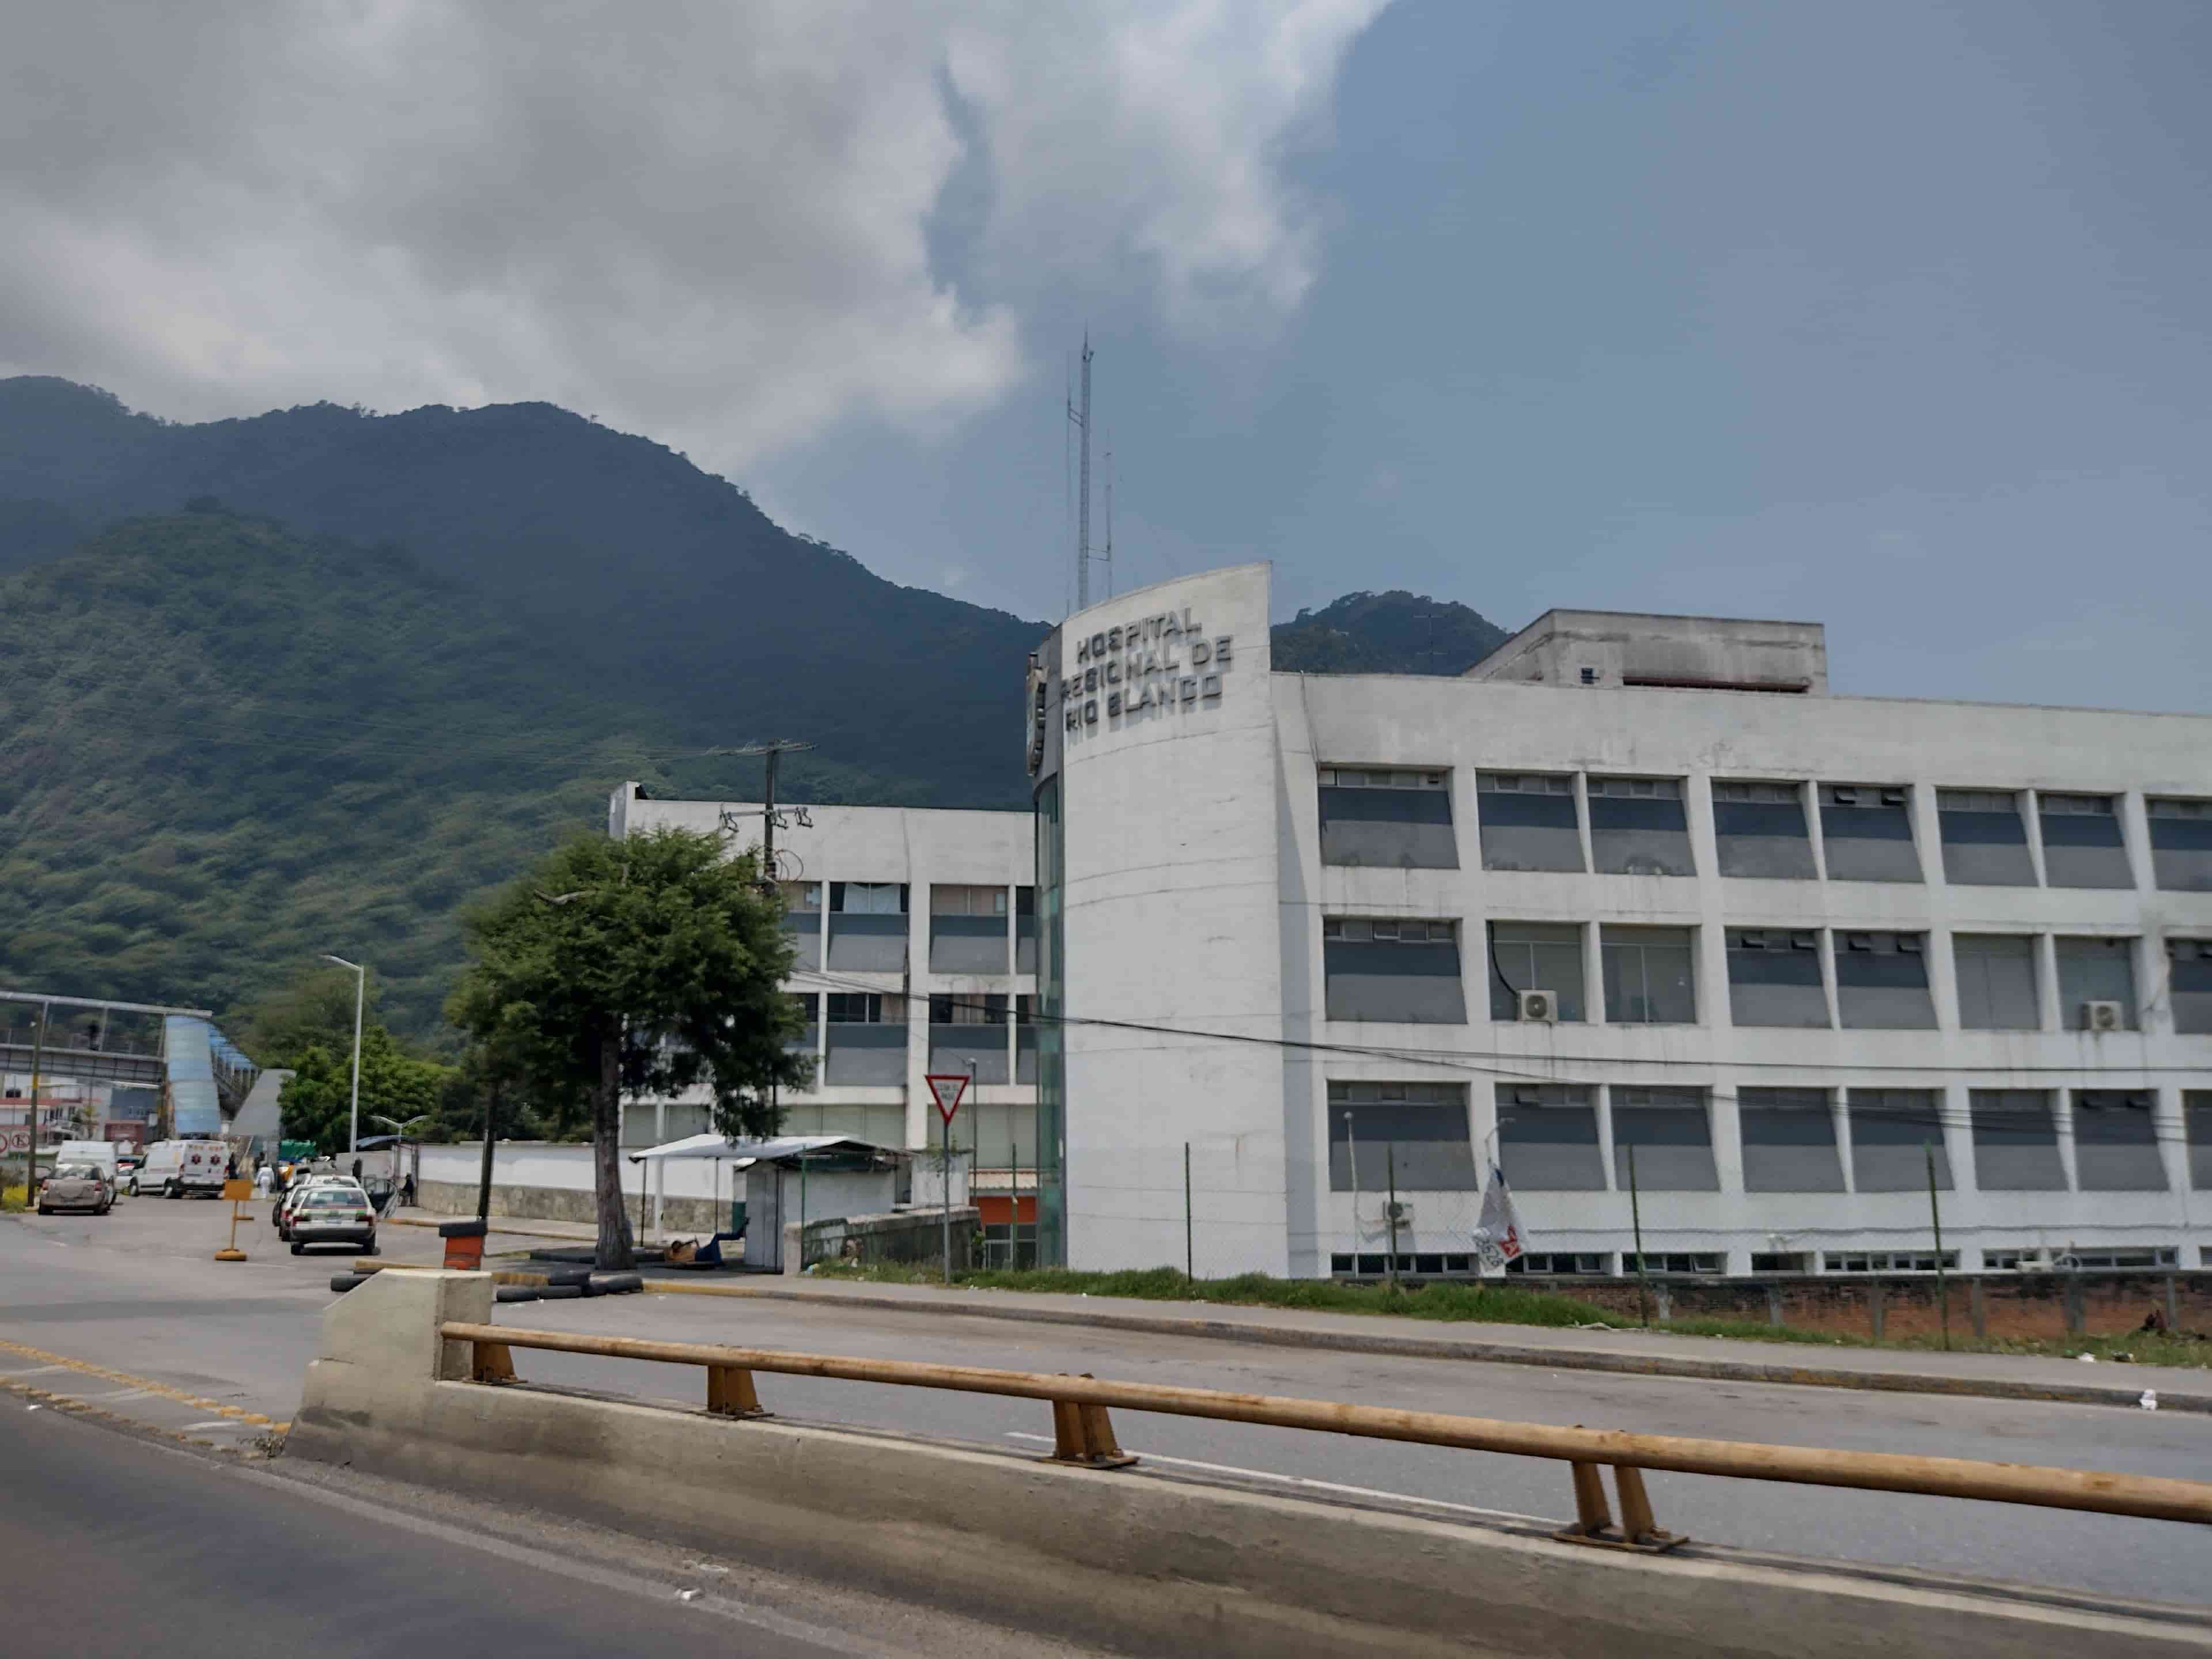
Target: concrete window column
pixel 1728 1145
pixel 1927 833
pixel 1952 1106
pixel 1602 1103
pixel 1582 816
pixel 1808 798
pixel 1943 978
pixel 1839 1105
pixel 1593 974
pixel 2172 1126
pixel 1828 988
pixel 2154 982
pixel 2033 820
pixel 2062 1121
pixel 2135 830
pixel 2050 1016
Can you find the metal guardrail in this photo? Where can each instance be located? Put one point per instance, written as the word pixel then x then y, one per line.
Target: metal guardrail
pixel 1083 1434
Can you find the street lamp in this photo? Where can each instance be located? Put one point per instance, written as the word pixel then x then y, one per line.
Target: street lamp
pixel 360 986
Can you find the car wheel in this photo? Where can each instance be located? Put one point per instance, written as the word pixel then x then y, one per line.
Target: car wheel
pixel 299 1248
pixel 43 1210
pixel 170 1189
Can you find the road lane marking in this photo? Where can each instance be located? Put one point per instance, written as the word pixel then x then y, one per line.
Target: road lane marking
pixel 1309 1485
pixel 52 1361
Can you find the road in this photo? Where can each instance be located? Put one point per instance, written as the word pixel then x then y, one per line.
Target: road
pixel 117 1546
pixel 122 1294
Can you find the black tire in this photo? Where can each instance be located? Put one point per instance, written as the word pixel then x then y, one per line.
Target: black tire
pixel 569 1276
pixel 617 1284
pixel 170 1189
pixel 514 1293
pixel 561 1292
pixel 371 1248
pixel 43 1210
pixel 298 1248
pixel 344 1282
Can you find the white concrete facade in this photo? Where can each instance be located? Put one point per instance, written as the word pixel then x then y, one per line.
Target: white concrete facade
pixel 1191 897
pixel 966 962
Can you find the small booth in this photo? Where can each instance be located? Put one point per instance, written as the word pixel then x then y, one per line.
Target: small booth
pixel 792 1178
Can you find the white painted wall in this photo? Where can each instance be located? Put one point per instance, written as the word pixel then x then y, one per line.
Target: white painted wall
pixel 1172 900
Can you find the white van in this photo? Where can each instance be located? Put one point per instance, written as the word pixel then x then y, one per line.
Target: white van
pixel 99 1154
pixel 174 1167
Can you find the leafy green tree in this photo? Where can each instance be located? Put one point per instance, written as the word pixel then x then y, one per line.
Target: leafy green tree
pixel 644 966
pixel 316 1103
pixel 316 1006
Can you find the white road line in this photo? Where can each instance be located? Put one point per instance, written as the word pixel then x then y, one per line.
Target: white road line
pixel 32 1371
pixel 115 1394
pixel 212 1423
pixel 1301 1480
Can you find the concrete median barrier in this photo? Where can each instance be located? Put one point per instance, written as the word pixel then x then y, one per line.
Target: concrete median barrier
pixel 1134 1558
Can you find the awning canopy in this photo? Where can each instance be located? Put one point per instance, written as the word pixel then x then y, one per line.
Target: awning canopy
pixel 785 1149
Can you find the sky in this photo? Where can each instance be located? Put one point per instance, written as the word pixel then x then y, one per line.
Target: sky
pixel 1893 316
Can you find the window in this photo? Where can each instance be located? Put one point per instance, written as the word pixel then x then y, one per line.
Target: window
pixel 1881 981
pixel 1888 1261
pixel 864 1039
pixel 1402 969
pixel 1025 930
pixel 2082 842
pixel 1669 1134
pixel 1789 1141
pixel 1392 818
pixel 947 1008
pixel 1867 829
pixel 1984 843
pixel 802 922
pixel 1996 982
pixel 1782 1261
pixel 2181 844
pixel 1758 830
pixel 1536 956
pixel 1892 1132
pixel 2015 1141
pixel 2116 1142
pixel 867 926
pixel 1680 1262
pixel 870 898
pixel 1529 820
pixel 967 1033
pixel 1648 980
pixel 2197 1125
pixel 1547 1138
pixel 2096 970
pixel 1637 827
pixel 1025 1039
pixel 1412 1133
pixel 967 929
pixel 1588 1263
pixel 2072 1260
pixel 1774 977
pixel 2188 985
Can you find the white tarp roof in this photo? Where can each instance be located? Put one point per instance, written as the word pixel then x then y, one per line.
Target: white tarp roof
pixel 781 1149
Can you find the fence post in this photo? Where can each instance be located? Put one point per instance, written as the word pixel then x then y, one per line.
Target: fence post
pixel 2172 1307
pixel 2073 1321
pixel 1636 1220
pixel 1774 1304
pixel 1189 1255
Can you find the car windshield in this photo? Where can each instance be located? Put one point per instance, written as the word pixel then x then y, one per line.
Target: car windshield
pixel 334 1198
pixel 76 1172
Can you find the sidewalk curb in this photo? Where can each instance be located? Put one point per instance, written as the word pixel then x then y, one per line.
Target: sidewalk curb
pixel 1495 1354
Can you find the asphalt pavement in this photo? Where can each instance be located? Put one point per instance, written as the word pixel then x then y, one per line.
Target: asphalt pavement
pixel 134 1294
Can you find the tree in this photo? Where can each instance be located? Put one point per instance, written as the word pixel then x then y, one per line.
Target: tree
pixel 317 1102
pixel 314 1007
pixel 644 966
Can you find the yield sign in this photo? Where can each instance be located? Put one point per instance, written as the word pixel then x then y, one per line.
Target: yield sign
pixel 946 1089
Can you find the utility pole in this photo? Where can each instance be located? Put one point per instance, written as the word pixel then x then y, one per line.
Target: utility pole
pixel 31 1118
pixel 1636 1220
pixel 359 989
pixel 771 752
pixel 1390 1169
pixel 1936 1216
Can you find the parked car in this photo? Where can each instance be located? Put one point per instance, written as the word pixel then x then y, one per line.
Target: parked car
pixel 77 1186
pixel 279 1216
pixel 101 1154
pixel 336 1213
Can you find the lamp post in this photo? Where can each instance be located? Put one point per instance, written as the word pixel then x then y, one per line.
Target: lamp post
pixel 360 987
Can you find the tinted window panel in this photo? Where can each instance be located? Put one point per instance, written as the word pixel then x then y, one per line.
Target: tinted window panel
pixel 2016 1142
pixel 1789 1141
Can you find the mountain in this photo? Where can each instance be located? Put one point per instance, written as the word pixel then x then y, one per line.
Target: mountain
pixel 661 586
pixel 1393 633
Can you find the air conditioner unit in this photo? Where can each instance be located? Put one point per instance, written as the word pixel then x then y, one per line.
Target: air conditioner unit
pixel 1541 1007
pixel 2103 1017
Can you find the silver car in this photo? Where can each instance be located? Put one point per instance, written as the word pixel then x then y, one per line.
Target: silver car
pixel 332 1214
pixel 77 1186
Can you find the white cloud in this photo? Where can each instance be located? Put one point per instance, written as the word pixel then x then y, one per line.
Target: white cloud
pixel 705 221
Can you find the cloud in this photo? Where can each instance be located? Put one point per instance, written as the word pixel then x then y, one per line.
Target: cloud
pixel 704 220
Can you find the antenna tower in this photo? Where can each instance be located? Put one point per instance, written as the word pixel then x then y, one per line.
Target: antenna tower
pixel 1081 418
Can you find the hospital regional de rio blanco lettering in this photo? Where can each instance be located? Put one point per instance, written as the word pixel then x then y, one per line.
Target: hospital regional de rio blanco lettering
pixel 1159 664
